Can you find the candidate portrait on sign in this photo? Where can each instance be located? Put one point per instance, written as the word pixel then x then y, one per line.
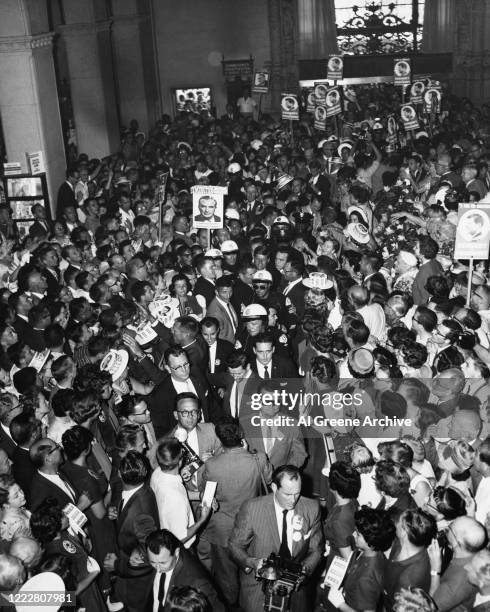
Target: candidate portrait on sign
pixel 333 98
pixel 417 89
pixel 207 206
pixel 402 69
pixel 408 113
pixel 474 226
pixel 261 79
pixel 320 113
pixel 335 64
pixel 289 103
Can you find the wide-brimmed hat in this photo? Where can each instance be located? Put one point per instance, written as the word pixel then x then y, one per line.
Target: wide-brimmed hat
pixel 318 280
pixel 358 233
pixel 115 362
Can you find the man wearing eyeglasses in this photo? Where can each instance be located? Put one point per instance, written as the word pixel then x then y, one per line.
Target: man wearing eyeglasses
pixel 161 401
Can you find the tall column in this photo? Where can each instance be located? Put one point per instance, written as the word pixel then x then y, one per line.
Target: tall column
pixel 87 40
pixel 134 59
pixel 29 104
pixel 283 28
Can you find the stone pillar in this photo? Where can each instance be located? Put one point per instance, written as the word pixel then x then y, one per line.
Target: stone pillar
pixel 134 63
pixel 29 104
pixel 87 40
pixel 283 29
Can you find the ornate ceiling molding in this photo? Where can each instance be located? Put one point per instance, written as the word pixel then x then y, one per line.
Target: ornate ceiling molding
pixel 14 44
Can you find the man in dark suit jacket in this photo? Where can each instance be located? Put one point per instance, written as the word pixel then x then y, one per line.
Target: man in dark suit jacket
pixel 161 401
pixel 267 364
pixel 9 408
pixel 25 429
pixel 243 292
pixel 318 184
pixel 185 333
pixel 137 519
pixel 205 283
pixel 173 566
pixel 259 530
pixel 218 351
pixel 47 480
pixel 66 192
pixel 295 289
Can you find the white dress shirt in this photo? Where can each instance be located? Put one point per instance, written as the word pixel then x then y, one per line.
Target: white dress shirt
pixel 212 357
pixel 482 500
pixel 127 495
pixel 185 386
pixel 174 508
pixel 240 385
pixel 156 588
pixel 261 369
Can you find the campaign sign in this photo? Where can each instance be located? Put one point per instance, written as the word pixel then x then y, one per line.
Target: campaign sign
pixel 335 68
pixel 409 117
pixel 473 231
pixel 333 102
pixel 290 107
pixel 402 71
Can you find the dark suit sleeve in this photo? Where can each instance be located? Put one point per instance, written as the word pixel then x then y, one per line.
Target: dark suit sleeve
pixel 242 536
pixel 297 451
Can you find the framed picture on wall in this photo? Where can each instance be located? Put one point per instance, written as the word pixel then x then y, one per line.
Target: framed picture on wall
pixel 192 100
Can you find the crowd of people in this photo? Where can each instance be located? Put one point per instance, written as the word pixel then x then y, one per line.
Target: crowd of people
pixel 311 380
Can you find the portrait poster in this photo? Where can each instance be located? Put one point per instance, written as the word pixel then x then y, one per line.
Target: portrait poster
pixel 320 93
pixel 207 206
pixel 320 122
pixel 261 82
pixel 310 101
pixel 35 162
pixel 472 231
pixel 432 100
pixel 333 102
pixel 290 107
pixel 417 92
pixel 402 71
pixel 335 68
pixel 409 117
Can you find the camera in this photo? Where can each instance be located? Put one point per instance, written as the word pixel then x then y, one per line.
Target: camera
pixel 280 578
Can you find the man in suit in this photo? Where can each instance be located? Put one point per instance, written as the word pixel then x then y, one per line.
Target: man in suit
pixel 207 208
pixel 185 332
pixel 243 292
pixel 238 474
pixel 252 207
pixel 201 437
pixel 268 365
pixel 47 481
pixel 173 566
pixel 295 290
pixel 25 429
pixel 477 573
pixel 369 266
pixel 137 518
pixel 318 184
pixel 282 445
pixel 41 228
pixel 9 408
pixel 426 250
pixel 283 523
pixel 242 383
pixel 66 192
pixel 21 302
pixel 218 351
pixel 222 310
pixel 204 286
pixel 161 401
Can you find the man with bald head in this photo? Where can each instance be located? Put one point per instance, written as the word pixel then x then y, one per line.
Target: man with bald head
pixel 452 591
pixel 12 573
pixel 28 550
pixel 478 572
pixel 373 314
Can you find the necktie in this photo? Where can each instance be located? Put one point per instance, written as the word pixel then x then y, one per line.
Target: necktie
pixel 161 593
pixel 233 316
pixel 236 408
pixel 284 551
pixel 266 372
pixel 267 438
